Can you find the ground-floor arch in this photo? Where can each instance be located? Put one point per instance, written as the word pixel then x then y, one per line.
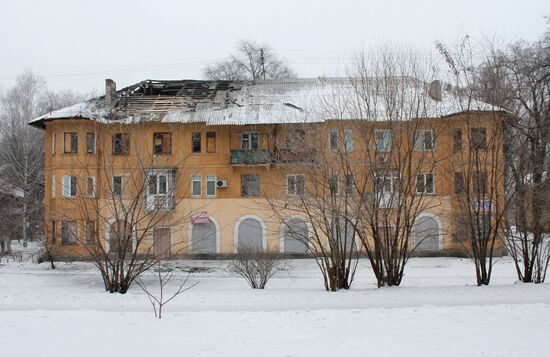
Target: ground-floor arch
pixel 427 233
pixel 250 232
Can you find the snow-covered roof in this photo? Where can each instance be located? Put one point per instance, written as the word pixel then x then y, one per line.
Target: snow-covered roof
pixel 268 102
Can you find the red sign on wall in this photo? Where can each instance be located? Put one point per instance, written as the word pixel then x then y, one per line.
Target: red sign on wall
pixel 201 218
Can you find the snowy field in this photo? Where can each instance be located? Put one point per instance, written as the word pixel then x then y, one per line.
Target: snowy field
pixel 438 311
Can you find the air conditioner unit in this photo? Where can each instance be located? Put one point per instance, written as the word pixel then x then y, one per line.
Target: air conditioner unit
pixel 221 183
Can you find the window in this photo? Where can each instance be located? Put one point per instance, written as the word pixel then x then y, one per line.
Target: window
pixel 478 138
pixel 211 141
pixel 90 232
pixel 53 143
pixel 350 185
pixel 250 185
pixel 54 186
pixel 333 140
pixel 121 143
pixel 295 184
pixel 425 183
pixel 457 135
pixel 90 143
pixel 334 184
pixel 117 185
pixel 250 140
pixel 294 139
pixel 348 140
pixel 68 232
pixel 196 141
pixel 160 189
pixel 479 182
pixel 90 186
pixel 383 140
pixel 424 140
pixel 197 186
pixel 70 143
pixel 386 182
pixel 459 182
pixel 211 186
pixel 162 143
pixel 69 186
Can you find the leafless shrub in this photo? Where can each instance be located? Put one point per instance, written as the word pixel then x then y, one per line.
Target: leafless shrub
pixel 256 266
pixel 159 300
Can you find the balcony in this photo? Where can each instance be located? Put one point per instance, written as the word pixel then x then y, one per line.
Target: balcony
pixel 289 156
pixel 250 157
pixel 160 203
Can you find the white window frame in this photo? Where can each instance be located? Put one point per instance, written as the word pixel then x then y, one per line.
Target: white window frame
pixel 211 179
pixel 425 192
pixel 348 140
pixel 93 186
pixel 248 134
pixel 196 178
pixel 332 133
pixel 66 185
pixel 295 186
pixel 160 200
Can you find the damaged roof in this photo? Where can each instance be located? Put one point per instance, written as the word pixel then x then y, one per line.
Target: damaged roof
pixel 266 102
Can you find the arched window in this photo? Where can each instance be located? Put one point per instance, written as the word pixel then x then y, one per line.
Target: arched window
pixel 250 234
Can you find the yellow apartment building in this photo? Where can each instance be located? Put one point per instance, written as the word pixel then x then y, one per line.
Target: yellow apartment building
pixel 204 160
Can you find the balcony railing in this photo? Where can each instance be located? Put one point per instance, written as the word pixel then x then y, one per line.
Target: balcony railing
pixel 160 203
pixel 289 156
pixel 250 157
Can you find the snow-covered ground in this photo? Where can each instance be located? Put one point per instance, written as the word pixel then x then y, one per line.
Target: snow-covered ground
pixel 438 311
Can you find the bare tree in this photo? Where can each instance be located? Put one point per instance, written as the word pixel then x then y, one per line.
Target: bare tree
pixel 478 166
pixel 313 205
pixel 21 146
pixel 124 201
pixel 164 276
pixel 256 266
pixel 395 173
pixel 252 61
pixel 526 69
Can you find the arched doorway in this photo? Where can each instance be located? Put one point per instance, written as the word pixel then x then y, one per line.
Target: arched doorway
pixel 120 237
pixel 295 236
pixel 204 238
pixel 250 234
pixel 426 233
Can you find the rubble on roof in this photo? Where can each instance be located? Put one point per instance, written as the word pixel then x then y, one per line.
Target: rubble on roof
pixel 258 102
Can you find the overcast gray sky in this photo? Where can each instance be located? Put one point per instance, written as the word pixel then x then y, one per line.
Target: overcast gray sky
pixel 77 44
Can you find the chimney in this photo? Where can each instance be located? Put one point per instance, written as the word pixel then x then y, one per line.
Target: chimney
pixel 435 90
pixel 110 91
